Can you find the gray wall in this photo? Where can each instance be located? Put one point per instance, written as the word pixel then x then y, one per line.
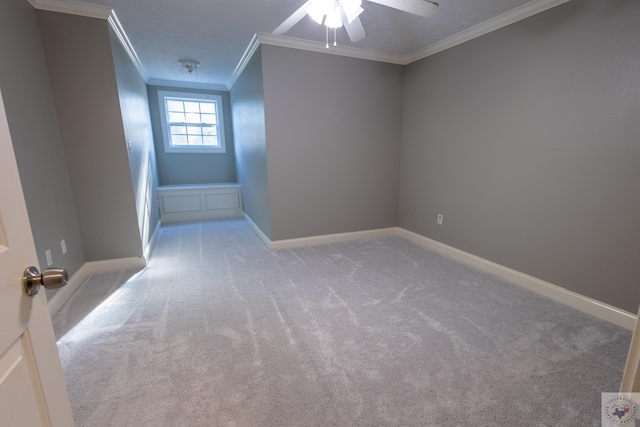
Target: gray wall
pixel 527 141
pixel 36 138
pixel 333 133
pixel 247 108
pixel 134 105
pixel 81 69
pixel 200 168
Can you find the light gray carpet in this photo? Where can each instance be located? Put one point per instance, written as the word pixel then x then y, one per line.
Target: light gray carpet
pixel 218 331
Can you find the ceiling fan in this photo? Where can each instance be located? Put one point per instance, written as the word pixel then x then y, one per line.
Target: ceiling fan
pixel 336 13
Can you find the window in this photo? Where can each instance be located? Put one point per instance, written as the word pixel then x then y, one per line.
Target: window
pixel 191 122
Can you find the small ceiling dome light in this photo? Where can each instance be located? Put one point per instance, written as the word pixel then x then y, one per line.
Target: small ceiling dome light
pixel 189 64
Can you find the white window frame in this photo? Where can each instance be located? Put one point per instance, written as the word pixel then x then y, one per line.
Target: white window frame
pixel 168 148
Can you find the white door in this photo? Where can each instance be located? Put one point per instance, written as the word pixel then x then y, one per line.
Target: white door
pixel 631 378
pixel 32 386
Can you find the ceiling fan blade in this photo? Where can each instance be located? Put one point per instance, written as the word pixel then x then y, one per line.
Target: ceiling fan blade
pixel 292 20
pixel 355 30
pixel 417 7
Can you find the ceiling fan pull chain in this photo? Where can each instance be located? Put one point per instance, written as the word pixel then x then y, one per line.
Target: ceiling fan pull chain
pixel 327 46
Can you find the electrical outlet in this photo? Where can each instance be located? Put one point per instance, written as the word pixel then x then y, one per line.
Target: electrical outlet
pixel 63 245
pixel 440 218
pixel 47 254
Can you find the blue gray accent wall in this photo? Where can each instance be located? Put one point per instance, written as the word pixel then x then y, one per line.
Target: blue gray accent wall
pixel 527 141
pixel 333 128
pixel 134 106
pixel 31 114
pixel 85 92
pixel 248 109
pixel 197 168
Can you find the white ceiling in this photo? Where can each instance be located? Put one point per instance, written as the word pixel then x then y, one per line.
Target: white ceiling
pixel 217 32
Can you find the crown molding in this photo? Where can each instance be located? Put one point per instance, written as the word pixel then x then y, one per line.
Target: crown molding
pixel 293 43
pixel 90 10
pixel 244 60
pixel 522 12
pixel 104 12
pixel 187 85
pixel 117 28
pixel 519 13
pixel 73 7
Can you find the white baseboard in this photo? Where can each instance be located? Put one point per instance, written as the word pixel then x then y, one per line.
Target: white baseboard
pixel 95 267
pixel 564 296
pixel 572 299
pixel 261 235
pixel 152 240
pixel 278 245
pixel 203 216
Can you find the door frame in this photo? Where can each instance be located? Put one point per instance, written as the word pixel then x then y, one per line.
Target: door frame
pixel 631 377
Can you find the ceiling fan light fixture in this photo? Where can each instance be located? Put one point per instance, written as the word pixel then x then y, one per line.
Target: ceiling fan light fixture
pixel 346 13
pixel 329 12
pixel 318 9
pixel 333 19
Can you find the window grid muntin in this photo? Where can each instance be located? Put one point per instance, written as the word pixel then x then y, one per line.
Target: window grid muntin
pixel 192 122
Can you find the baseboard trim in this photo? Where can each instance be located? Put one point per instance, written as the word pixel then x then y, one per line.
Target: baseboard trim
pixel 258 231
pixel 279 245
pixel 95 267
pixel 572 299
pixel 569 298
pixel 564 296
pixel 204 216
pixel 152 241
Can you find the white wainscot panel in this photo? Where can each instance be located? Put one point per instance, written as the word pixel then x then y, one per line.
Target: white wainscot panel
pixel 186 203
pixel 222 201
pixel 197 202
